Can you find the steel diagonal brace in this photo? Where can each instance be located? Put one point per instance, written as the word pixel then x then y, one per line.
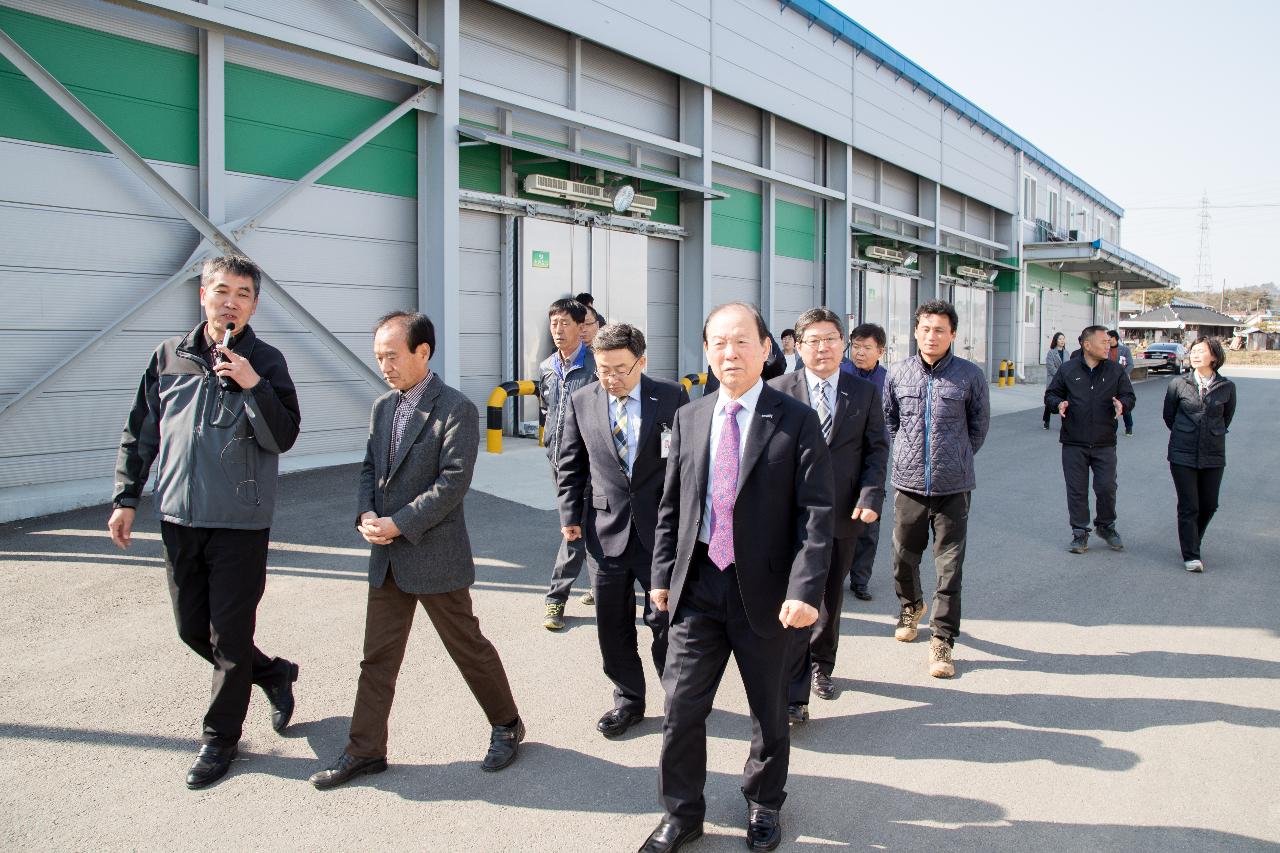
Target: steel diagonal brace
pixel 217 236
pixel 419 45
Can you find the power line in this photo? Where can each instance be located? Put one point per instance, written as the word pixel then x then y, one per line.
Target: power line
pixel 1202 206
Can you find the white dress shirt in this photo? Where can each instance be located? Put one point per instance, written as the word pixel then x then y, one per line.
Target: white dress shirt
pixel 813 379
pixel 745 415
pixel 633 423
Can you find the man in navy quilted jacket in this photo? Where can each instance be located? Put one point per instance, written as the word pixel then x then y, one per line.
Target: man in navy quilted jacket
pixel 936 407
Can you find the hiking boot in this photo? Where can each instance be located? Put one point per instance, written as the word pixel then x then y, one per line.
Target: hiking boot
pixel 1079 542
pixel 909 621
pixel 1110 536
pixel 940 665
pixel 554 618
pixel 1193 566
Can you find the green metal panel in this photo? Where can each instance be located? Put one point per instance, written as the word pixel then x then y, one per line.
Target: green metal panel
pixel 736 220
pixel 480 168
pixel 794 230
pixel 1074 289
pixel 282 127
pixel 276 125
pixel 147 94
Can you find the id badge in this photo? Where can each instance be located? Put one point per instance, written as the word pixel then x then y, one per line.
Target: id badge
pixel 665 441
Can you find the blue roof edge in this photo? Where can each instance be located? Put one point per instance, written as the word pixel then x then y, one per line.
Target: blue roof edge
pixel 841 25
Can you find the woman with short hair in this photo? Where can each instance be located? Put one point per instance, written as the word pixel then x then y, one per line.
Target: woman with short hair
pixel 1052 361
pixel 1198 408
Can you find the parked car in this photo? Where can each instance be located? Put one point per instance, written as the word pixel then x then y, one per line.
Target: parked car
pixel 1173 357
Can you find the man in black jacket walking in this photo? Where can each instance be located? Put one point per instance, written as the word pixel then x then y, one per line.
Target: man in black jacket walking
pixel 1090 393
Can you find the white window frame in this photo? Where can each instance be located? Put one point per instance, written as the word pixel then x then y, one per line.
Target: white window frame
pixel 1053 209
pixel 1071 216
pixel 1030 197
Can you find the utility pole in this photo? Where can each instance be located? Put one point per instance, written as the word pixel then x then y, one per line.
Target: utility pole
pixel 1222 300
pixel 1204 265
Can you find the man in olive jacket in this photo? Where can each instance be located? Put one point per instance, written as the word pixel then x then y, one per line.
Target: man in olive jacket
pixel 423 439
pixel 1090 393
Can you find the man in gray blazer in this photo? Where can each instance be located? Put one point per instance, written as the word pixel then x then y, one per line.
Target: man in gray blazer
pixel 852 420
pixel 613 458
pixel 423 438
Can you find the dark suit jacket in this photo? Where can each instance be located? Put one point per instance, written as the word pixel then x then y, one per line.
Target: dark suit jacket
pixel 781 517
pixel 422 490
pixel 859 444
pixel 589 468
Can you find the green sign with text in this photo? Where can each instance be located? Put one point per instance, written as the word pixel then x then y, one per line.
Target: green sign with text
pixel 541 260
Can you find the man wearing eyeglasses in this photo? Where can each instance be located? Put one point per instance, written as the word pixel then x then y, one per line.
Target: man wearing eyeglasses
pixel 613 459
pixel 852 420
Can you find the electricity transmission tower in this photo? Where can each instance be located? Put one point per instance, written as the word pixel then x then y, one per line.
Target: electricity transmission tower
pixel 1204 265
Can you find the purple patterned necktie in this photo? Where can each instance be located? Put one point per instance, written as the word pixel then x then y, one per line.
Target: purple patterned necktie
pixel 724 489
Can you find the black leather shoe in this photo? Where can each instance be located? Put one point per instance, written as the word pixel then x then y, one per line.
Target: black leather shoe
pixel 504 745
pixel 764 828
pixel 669 837
pixel 822 686
pixel 280 695
pixel 860 592
pixel 797 713
pixel 346 768
pixel 212 764
pixel 618 721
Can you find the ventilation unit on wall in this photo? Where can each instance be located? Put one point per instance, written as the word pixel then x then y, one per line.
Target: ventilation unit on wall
pixel 626 200
pixel 971 272
pixel 884 253
pixel 545 185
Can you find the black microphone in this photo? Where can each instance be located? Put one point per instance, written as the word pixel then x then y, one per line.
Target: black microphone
pixel 227 383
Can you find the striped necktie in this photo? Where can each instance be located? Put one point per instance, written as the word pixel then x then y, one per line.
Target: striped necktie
pixel 824 413
pixel 620 427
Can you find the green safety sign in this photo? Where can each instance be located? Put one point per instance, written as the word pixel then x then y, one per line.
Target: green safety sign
pixel 541 260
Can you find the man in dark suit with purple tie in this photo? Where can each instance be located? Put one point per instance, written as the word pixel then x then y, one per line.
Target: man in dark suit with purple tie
pixel 740 560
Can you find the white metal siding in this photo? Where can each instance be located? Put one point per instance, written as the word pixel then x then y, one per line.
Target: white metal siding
pixel 618 87
pixel 978 165
pixel 662 334
pixel 507 49
pixel 895 122
pixel 780 63
pixel 795 151
pixel 480 300
pixel 737 129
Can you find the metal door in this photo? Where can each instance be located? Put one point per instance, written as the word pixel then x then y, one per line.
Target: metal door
pixel 889 300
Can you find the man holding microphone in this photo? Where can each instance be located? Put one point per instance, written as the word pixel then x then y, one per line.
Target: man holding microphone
pixel 215 409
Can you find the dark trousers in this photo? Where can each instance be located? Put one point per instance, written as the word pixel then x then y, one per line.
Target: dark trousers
pixel 216 579
pixel 710 624
pixel 1077 463
pixel 568 566
pixel 614 581
pixel 1128 421
pixel 865 545
pixel 914 516
pixel 1197 502
pixel 814 649
pixel 1049 411
pixel 388 618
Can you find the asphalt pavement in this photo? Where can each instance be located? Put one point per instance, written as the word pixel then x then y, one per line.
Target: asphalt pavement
pixel 1106 701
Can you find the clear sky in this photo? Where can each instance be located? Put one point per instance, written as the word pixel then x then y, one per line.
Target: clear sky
pixel 1154 103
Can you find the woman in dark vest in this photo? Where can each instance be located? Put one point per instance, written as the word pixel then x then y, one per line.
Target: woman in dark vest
pixel 1198 408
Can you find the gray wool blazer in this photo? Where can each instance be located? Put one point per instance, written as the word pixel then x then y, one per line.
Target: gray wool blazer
pixel 422 490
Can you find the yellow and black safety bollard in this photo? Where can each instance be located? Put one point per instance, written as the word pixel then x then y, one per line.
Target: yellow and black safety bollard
pixel 493 411
pixel 691 379
pixel 1000 379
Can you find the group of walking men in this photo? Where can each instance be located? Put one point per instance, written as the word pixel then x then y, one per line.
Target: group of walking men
pixel 739 515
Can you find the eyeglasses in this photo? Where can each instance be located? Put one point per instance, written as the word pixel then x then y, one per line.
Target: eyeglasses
pixel 819 343
pixel 606 373
pixel 864 347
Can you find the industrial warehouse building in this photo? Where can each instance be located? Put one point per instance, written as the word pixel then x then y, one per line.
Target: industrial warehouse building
pixel 475 160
